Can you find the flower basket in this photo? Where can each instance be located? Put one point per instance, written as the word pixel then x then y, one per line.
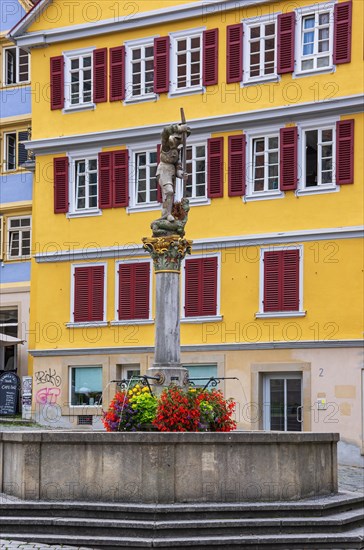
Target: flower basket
pixel 176 410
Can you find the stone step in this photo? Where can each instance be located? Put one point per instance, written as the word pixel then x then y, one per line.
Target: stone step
pixel 353 540
pixel 161 529
pixel 315 507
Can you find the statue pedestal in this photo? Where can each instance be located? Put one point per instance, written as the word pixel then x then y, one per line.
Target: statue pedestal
pixel 167 254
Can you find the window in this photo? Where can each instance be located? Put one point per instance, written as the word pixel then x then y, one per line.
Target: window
pixel 200 374
pixel 319 152
pixel 196 168
pixel 8 326
pixel 15 153
pixel 19 235
pixel 16 66
pixel 186 66
pixel 261 49
pixel 265 164
pixel 281 283
pixel 85 184
pixel 316 40
pixel 86 385
pixel 140 70
pixel 134 286
pixel 201 287
pixel 78 78
pixel 145 177
pixel 88 294
pixel 282 397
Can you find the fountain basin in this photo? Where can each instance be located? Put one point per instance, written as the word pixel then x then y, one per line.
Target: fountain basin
pixel 154 467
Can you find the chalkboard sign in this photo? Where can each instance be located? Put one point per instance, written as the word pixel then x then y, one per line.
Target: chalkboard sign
pixel 9 393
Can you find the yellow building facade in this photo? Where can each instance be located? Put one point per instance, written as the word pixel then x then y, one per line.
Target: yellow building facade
pixel 272 293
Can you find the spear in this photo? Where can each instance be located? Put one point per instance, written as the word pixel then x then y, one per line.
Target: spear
pixel 184 159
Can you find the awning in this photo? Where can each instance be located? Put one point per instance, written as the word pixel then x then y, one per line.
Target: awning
pixel 6 340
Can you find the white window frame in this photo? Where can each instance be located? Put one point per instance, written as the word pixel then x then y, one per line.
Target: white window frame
pixel 70 367
pixel 208 318
pixel 17 75
pixel 17 131
pixel 175 36
pixel 251 195
pixel 72 323
pixel 20 231
pixel 73 158
pixel 150 319
pixel 68 56
pixel 130 45
pixel 266 396
pixel 319 124
pixel 316 9
pixel 300 312
pixel 247 24
pixel 134 205
pixel 2 225
pixel 179 188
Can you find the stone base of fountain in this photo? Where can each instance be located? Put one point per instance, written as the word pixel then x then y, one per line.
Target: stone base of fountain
pixel 167 468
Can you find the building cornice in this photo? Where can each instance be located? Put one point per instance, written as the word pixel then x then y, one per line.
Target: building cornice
pixel 226 123
pixel 119 24
pixel 198 348
pixel 206 245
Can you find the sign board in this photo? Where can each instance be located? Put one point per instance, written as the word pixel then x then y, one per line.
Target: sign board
pixel 9 393
pixel 26 398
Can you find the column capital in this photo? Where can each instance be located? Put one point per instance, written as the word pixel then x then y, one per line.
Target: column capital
pixel 167 252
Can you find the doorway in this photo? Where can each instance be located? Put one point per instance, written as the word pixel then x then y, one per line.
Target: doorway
pixel 282 402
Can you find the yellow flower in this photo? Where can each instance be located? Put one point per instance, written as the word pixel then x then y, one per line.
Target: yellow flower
pixel 145 389
pixel 134 390
pixel 138 393
pixel 137 386
pixel 134 407
pixel 130 392
pixel 192 389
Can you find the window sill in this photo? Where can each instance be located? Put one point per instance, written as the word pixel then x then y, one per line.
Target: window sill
pixel 127 322
pixel 187 91
pixel 18 259
pixel 199 201
pixel 207 319
pixel 89 324
pixel 317 190
pixel 261 80
pixel 141 99
pixel 314 72
pixel 263 197
pixel 77 108
pixel 14 85
pixel 279 314
pixel 86 214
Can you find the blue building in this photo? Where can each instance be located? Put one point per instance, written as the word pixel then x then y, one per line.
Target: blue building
pixel 16 180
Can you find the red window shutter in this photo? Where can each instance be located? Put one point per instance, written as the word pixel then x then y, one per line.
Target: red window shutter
pixel 141 294
pixel 60 175
pixel 134 286
pixel 121 178
pixel 234 46
pixel 193 298
pixel 215 168
pixel 286 40
pixel 272 288
pixel 281 280
pixel 105 169
pixel 88 294
pixel 161 65
pixel 345 151
pixel 97 300
pixel 342 32
pixel 57 82
pixel 210 57
pixel 159 191
pixel 100 75
pixel 288 138
pixel 237 165
pixel 126 286
pixel 290 280
pixel 209 286
pixel 117 73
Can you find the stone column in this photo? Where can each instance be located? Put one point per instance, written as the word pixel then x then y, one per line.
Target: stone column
pixel 167 254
